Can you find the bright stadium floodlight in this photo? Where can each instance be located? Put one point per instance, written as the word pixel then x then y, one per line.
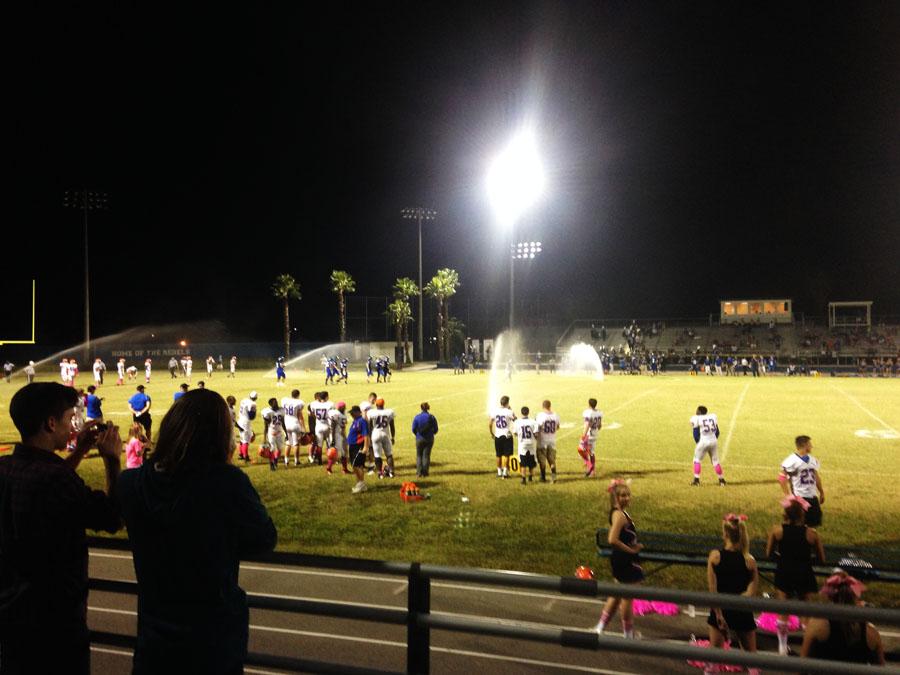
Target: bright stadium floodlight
pixel 515 179
pixel 526 250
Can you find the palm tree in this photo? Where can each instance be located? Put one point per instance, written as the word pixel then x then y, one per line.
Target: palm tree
pixel 400 313
pixel 456 336
pixel 442 286
pixel 286 289
pixel 341 283
pixel 404 289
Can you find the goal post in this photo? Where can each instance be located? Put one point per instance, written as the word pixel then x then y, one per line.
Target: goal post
pixel 850 314
pixel 19 340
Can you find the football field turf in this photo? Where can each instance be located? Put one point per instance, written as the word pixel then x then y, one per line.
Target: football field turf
pixel 550 528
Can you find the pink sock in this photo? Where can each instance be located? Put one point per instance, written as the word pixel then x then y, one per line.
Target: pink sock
pixel 697 469
pixel 718 468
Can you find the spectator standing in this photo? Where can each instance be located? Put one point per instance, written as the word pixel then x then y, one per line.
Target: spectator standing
pixel 93 410
pixel 191 517
pixel 134 448
pixel 140 409
pixel 182 390
pixel 731 569
pixel 424 426
pixel 624 559
pixel 833 640
pixel 44 510
pixel 793 546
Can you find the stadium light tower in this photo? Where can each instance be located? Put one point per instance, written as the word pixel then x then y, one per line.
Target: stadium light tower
pixel 515 181
pixel 419 213
pixel 86 200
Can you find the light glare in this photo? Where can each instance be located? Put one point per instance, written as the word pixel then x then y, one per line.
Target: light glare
pixel 515 179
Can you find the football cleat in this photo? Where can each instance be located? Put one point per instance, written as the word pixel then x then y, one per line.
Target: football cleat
pixel 695 482
pixel 721 482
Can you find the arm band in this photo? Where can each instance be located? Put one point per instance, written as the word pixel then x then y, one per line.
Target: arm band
pixel 782 478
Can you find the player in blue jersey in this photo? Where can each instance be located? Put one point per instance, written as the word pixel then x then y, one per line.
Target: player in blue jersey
pixel 279 371
pixel 369 369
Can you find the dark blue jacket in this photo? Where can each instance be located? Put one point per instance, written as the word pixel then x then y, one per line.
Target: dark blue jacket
pixel 425 426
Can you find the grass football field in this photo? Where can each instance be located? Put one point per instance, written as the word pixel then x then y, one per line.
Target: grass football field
pixel 549 528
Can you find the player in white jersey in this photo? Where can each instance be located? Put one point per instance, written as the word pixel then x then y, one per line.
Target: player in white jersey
pixel 273 419
pixel 98 372
pixel 800 476
pixel 319 409
pixel 148 369
pixel 706 434
pixel 188 367
pixel 245 417
pixel 232 365
pixel 294 424
pixel 527 432
pixel 548 424
pixel 593 422
pixel 120 370
pixel 210 364
pixel 500 427
pixel 338 421
pixel 64 372
pixel 381 429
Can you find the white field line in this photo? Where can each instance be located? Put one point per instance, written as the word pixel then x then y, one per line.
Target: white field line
pixel 733 422
pixel 864 409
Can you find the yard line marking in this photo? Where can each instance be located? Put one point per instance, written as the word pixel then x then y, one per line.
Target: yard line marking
pixel 864 409
pixel 733 421
pixel 606 414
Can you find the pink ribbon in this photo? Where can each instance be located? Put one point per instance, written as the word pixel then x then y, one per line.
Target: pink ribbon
pixel 834 583
pixel 613 483
pixel 790 499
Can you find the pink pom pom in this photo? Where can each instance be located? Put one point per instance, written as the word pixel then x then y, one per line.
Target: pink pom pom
pixel 665 608
pixel 642 607
pixel 769 622
pixel 713 667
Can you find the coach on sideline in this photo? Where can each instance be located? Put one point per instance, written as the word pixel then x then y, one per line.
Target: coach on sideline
pixel 44 510
pixel 424 426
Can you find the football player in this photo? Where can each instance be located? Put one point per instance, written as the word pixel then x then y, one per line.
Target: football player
pixel 500 427
pixel 294 425
pixel 706 434
pixel 593 422
pixel 548 422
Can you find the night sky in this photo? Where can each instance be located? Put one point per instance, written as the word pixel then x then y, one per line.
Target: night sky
pixel 695 151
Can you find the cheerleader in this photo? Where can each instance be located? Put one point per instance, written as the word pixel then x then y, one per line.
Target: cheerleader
pixel 793 544
pixel 624 559
pixel 731 569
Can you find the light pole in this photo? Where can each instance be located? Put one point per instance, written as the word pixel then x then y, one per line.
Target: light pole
pixel 419 213
pixel 523 250
pixel 86 201
pixel 515 181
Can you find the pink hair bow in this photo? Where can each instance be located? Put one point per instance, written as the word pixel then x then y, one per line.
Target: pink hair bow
pixel 790 499
pixel 734 516
pixel 834 583
pixel 614 483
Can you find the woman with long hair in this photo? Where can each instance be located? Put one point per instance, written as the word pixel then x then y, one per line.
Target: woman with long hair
pixel 853 641
pixel 731 569
pixel 793 546
pixel 624 559
pixel 191 517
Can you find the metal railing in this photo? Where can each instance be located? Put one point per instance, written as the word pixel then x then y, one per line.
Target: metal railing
pixel 419 619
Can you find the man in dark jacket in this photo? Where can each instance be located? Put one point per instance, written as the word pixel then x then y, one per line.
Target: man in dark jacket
pixel 424 426
pixel 44 510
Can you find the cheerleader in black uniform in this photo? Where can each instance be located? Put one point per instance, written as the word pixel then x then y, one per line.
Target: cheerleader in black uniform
pixel 731 569
pixel 793 545
pixel 624 558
